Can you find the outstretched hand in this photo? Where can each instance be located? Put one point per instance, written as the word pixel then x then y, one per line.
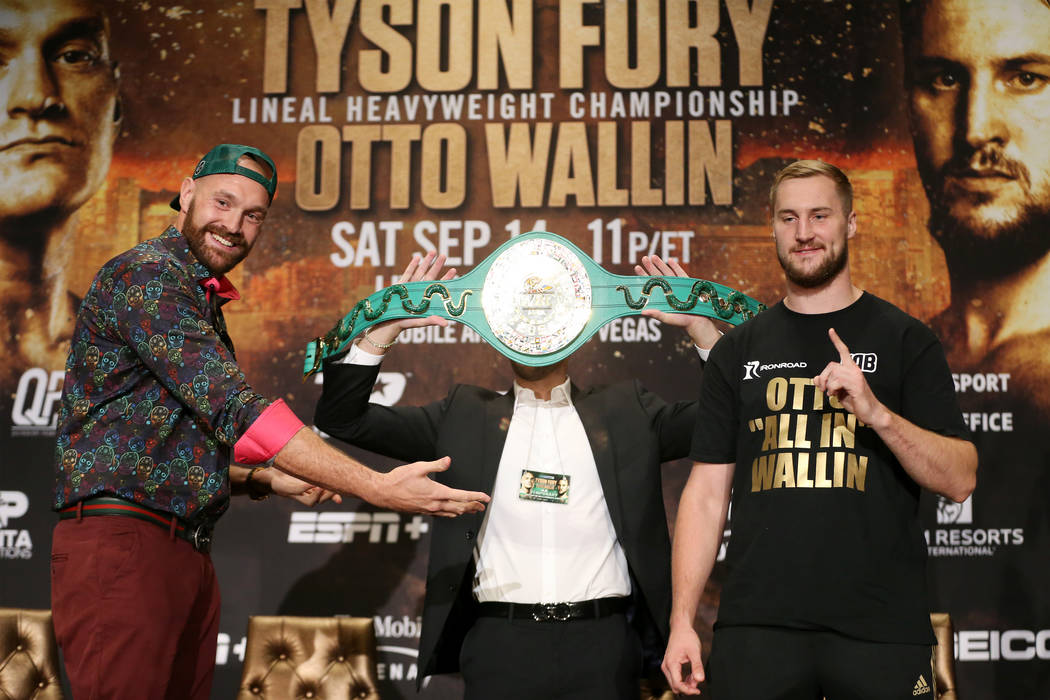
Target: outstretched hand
pixel 701 329
pixel 844 381
pixel 427 267
pixel 409 488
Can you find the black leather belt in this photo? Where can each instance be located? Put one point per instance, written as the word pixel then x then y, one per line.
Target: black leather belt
pixel 198 535
pixel 555 612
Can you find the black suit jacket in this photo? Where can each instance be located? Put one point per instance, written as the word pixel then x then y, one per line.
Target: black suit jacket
pixel 631 431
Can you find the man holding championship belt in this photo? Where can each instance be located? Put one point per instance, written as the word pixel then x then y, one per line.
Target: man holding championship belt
pixel 565 582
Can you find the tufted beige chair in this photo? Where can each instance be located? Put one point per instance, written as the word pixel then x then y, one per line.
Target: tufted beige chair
pixel 28 655
pixel 313 658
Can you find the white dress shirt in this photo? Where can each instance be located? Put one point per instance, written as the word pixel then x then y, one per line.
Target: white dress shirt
pixel 536 552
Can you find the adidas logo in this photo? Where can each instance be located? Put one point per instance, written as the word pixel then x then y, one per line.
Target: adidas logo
pixel 921 687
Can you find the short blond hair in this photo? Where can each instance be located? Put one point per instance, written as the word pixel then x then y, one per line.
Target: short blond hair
pixel 812 168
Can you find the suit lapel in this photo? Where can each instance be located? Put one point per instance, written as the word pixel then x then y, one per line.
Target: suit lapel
pixel 594 417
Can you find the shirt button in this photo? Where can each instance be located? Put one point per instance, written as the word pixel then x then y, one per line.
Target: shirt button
pixel 470 534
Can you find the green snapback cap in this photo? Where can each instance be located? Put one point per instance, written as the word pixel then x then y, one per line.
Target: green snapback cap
pixel 222 160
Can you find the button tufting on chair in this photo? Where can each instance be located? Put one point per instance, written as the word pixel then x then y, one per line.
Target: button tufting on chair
pixel 288 658
pixel 28 655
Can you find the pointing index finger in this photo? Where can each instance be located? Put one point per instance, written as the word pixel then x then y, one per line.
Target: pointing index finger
pixel 844 356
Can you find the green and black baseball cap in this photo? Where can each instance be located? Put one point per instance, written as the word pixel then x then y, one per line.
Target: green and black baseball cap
pixel 222 160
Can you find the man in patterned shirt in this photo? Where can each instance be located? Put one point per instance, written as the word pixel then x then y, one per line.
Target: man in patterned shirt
pixel 154 410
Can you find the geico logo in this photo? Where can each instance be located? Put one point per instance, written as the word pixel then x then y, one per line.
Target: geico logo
pixel 1008 645
pixel 308 527
pixel 36 397
pixel 13 504
pixel 389 626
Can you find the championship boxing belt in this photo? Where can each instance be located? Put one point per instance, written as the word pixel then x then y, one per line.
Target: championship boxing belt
pixel 536 299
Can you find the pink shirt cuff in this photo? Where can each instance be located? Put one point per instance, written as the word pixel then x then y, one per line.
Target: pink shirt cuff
pixel 267 435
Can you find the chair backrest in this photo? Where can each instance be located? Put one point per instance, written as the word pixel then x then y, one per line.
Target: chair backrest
pixel 309 657
pixel 28 656
pixel 943 657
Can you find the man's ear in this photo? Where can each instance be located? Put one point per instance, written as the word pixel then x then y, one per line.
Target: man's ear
pixel 851 224
pixel 186 193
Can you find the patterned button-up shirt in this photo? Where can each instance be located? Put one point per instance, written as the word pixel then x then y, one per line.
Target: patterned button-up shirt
pixel 153 400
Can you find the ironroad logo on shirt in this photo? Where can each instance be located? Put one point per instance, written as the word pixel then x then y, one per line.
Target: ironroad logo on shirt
pixel 753 369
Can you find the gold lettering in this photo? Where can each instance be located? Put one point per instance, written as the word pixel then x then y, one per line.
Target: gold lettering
pixel 518 164
pixel 682 39
pixel 801 423
pixel 444 145
pixel 361 138
pixel 856 472
pixel 324 171
pixel 825 430
pixel 818 400
pixel 571 172
pixel 762 473
pixel 401 138
pixel 609 194
pixel 845 430
pixel 798 391
pixel 749 26
pixel 618 43
pixel 776 393
pixel 275 42
pixel 642 191
pixel 785 475
pixel 770 443
pixel 392 44
pixel 573 35
pixel 840 460
pixel 785 425
pixel 674 163
pixel 710 162
pixel 460 44
pixel 834 402
pixel 822 481
pixel 500 37
pixel 329 34
pixel 803 480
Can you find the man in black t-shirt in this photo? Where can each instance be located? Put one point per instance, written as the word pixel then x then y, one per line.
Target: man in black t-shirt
pixel 838 408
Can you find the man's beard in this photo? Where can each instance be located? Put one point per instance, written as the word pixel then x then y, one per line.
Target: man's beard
pixel 990 250
pixel 218 265
pixel 980 248
pixel 832 265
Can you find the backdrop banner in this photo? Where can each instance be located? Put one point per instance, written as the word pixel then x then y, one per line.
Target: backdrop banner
pixel 628 128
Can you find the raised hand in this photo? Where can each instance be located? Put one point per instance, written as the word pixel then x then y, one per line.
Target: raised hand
pixel 427 267
pixel 701 329
pixel 844 381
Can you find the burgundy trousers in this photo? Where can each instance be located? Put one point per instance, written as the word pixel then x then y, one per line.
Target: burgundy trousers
pixel 136 610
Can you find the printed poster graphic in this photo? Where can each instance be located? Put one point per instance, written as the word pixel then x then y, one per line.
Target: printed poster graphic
pixel 650 127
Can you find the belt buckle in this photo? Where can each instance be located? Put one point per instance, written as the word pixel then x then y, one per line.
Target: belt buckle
pixel 551 612
pixel 202 538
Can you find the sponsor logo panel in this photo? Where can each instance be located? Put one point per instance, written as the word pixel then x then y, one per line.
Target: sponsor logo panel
pixel 15 543
pixel 959 538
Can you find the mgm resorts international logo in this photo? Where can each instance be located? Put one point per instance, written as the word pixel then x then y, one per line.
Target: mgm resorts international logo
pixel 14 543
pixel 955 535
